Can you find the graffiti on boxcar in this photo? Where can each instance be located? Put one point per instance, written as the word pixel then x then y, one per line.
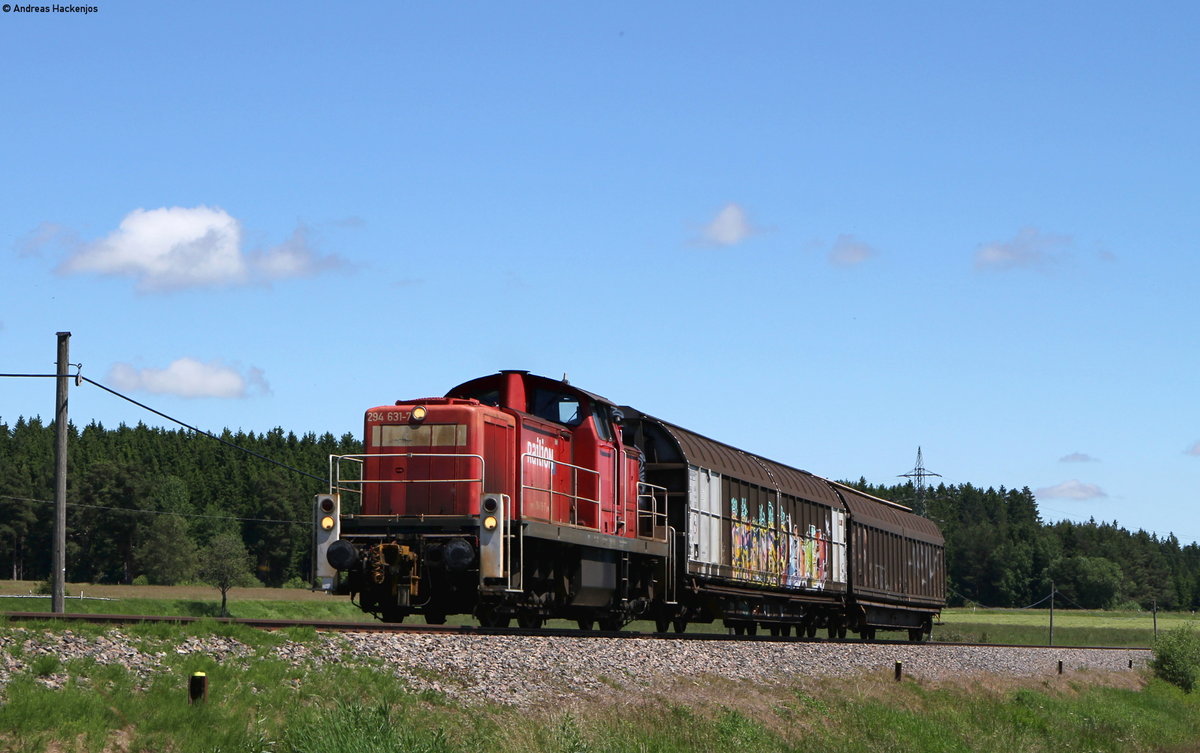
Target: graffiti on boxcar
pixel 764 550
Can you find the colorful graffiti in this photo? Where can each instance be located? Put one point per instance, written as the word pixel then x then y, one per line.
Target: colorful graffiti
pixel 763 552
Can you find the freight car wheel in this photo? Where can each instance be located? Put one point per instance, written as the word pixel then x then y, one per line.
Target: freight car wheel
pixel 433 618
pixel 662 624
pixel 585 623
pixel 680 625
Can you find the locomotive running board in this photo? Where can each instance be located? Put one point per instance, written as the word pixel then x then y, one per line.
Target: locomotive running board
pixel 583 537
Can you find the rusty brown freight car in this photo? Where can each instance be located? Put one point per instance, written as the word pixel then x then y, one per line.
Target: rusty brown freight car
pixel 762 544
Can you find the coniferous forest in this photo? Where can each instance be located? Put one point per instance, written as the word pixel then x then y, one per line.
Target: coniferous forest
pixel 144 501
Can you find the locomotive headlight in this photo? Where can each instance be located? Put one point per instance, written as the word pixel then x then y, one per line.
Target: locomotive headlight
pixel 489 523
pixel 418 414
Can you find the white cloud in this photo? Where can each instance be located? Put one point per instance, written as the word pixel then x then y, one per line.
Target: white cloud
pixel 1193 450
pixel 1031 248
pixel 180 247
pixel 848 251
pixel 1073 489
pixel 730 227
pixel 187 377
pixel 1078 457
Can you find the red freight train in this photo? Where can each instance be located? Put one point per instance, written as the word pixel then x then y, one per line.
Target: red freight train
pixel 518 496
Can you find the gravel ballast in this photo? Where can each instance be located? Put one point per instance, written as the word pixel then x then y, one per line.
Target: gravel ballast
pixel 523 670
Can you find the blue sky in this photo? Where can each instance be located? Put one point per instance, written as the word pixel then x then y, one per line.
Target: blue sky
pixel 828 235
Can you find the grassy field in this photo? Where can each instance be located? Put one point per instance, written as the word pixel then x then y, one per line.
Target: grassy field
pixel 1071 627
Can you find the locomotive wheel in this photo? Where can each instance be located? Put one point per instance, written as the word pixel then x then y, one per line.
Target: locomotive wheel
pixel 393 615
pixel 810 630
pixel 836 632
pixel 611 624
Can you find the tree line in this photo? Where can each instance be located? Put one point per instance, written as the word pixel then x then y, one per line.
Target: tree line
pixel 145 501
pixel 1000 553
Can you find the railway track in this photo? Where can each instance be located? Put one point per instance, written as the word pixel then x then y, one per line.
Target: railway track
pixel 418 629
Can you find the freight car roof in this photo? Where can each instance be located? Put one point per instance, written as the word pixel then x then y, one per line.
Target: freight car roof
pixel 730 461
pixel 887 516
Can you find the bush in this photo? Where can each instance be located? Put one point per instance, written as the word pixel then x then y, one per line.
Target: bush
pixel 1177 657
pixel 141 580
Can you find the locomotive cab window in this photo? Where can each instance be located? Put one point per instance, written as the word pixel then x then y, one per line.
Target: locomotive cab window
pixel 559 407
pixel 603 427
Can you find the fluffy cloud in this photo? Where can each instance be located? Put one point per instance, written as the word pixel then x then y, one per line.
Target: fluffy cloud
pixel 1077 457
pixel 730 227
pixel 848 251
pixel 181 247
pixel 1073 489
pixel 1031 248
pixel 187 377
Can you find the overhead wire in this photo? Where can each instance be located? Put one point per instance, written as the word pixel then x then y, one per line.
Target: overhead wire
pixel 79 377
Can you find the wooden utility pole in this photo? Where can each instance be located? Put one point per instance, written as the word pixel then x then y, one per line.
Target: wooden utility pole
pixel 58 567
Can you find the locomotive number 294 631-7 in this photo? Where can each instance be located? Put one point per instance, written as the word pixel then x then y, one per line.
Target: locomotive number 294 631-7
pixel 388 416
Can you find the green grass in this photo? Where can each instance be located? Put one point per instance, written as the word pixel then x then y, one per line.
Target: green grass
pixel 1071 627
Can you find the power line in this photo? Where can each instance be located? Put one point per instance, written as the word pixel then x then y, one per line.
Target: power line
pixel 79 377
pixel 918 474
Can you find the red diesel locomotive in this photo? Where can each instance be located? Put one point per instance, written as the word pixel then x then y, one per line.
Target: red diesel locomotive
pixel 522 497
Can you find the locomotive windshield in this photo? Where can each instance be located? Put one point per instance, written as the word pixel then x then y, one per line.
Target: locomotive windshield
pixel 554 405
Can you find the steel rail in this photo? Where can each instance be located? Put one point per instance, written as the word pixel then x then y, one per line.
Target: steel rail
pixel 395 627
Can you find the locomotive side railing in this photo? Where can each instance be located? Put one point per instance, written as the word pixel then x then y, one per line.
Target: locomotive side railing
pixel 574 499
pixel 339 484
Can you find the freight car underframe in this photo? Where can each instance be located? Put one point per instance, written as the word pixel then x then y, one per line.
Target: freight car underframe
pixel 745 610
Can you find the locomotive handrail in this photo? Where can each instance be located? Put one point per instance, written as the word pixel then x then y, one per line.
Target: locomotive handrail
pixel 655 517
pixel 550 464
pixel 336 480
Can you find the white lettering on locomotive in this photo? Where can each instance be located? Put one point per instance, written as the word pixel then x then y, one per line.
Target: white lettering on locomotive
pixel 540 455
